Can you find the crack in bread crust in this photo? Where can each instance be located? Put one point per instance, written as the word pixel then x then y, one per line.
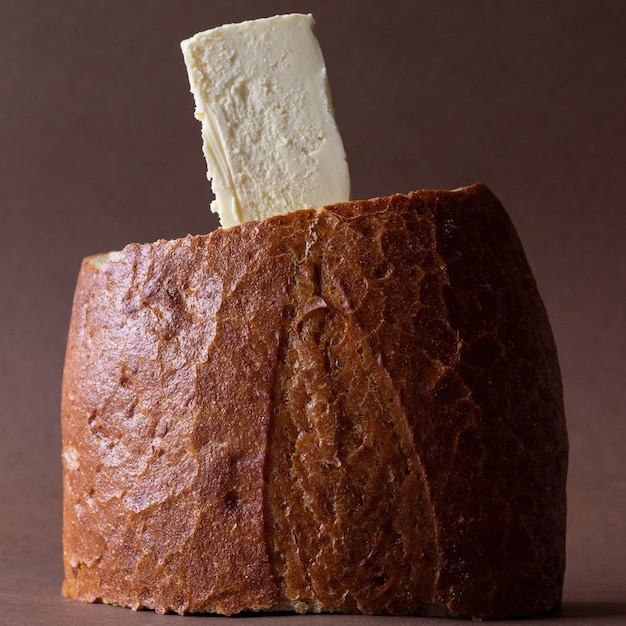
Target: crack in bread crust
pixel 335 541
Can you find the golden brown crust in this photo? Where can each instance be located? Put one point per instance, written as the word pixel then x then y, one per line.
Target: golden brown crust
pixel 351 409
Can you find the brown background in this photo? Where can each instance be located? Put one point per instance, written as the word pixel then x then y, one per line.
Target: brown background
pixel 99 147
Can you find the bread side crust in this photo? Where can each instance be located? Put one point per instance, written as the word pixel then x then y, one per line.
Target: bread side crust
pixel 354 409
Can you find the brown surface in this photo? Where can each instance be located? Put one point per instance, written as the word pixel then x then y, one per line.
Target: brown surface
pixel 98 147
pixel 394 439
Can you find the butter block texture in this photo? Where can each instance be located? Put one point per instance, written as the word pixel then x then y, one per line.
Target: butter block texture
pixel 270 139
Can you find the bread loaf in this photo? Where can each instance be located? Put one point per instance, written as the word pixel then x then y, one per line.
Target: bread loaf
pixel 351 409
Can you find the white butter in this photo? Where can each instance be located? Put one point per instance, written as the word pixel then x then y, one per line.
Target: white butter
pixel 269 134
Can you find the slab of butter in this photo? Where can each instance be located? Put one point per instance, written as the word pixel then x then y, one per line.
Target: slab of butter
pixel 269 134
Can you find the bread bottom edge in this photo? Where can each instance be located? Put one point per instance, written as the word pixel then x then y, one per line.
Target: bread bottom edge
pixel 312 606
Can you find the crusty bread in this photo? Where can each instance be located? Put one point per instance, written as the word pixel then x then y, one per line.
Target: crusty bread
pixel 352 409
